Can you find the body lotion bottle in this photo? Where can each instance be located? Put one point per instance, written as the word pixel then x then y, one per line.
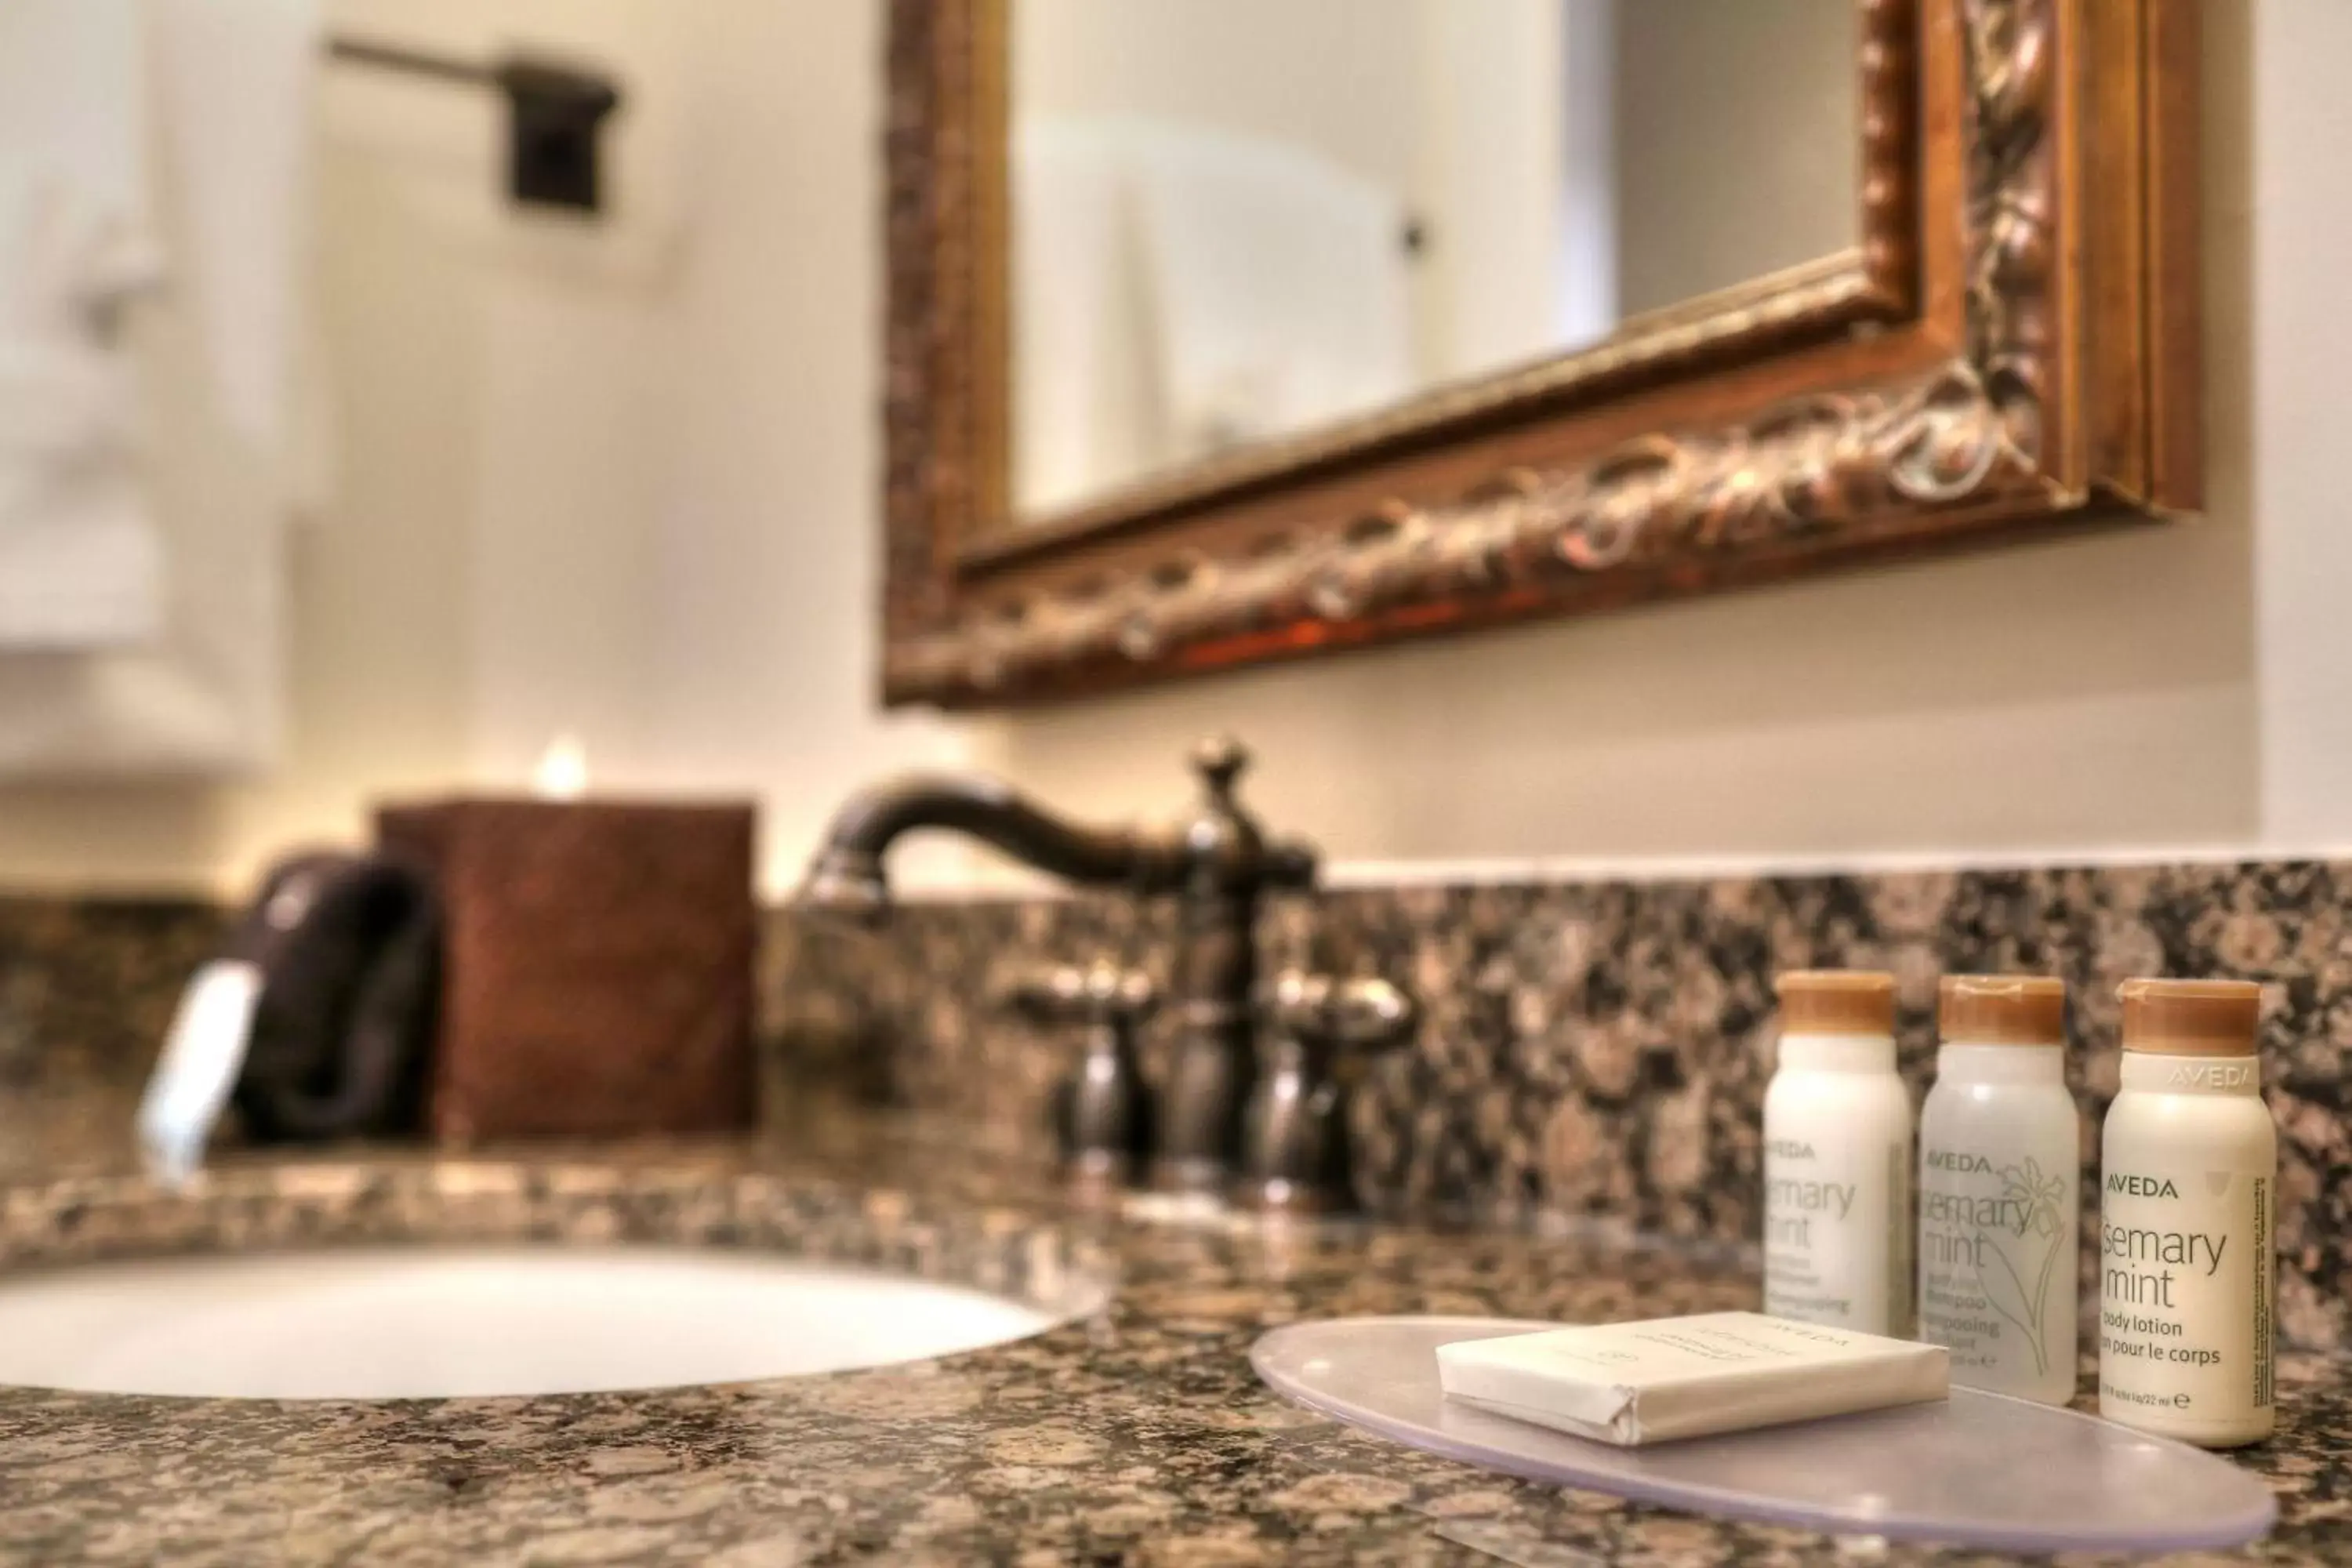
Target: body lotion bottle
pixel 2188 1187
pixel 1837 1158
pixel 2000 1171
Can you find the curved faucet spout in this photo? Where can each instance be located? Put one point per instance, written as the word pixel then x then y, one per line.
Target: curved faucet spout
pixel 848 874
pixel 1219 863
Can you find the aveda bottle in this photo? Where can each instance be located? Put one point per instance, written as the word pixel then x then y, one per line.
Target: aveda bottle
pixel 1837 1158
pixel 2188 1186
pixel 1999 1189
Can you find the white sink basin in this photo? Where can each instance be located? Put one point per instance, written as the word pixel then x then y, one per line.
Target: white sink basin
pixel 446 1321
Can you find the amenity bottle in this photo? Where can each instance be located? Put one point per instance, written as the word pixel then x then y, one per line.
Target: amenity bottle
pixel 2001 1165
pixel 1837 1158
pixel 2188 1201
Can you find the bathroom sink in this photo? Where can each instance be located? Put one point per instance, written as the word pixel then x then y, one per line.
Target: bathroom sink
pixel 449 1320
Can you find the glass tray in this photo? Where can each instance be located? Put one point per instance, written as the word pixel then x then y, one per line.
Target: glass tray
pixel 1981 1471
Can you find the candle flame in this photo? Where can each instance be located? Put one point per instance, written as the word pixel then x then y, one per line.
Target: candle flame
pixel 562 771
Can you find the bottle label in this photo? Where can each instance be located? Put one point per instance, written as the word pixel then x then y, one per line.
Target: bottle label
pixel 2185 1305
pixel 1836 1228
pixel 1997 1264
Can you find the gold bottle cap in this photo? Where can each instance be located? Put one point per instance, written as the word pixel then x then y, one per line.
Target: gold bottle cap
pixel 2002 1009
pixel 1836 1002
pixel 2192 1017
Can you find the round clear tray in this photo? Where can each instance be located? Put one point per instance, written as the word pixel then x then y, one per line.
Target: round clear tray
pixel 1978 1470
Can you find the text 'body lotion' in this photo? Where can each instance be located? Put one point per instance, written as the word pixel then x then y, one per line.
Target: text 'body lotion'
pixel 2000 1171
pixel 2187 1191
pixel 1837 1158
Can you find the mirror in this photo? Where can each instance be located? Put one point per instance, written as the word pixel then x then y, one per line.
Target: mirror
pixel 1234 222
pixel 1224 332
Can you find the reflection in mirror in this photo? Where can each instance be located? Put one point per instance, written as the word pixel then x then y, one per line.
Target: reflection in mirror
pixel 1238 220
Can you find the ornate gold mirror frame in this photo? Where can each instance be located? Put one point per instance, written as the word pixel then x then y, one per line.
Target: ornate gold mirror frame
pixel 2011 349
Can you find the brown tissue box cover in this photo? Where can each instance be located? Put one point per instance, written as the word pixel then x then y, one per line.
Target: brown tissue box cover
pixel 597 968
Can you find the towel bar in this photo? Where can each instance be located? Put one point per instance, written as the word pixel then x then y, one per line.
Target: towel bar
pixel 554 112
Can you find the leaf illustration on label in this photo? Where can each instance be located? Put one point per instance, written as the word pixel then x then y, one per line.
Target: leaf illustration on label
pixel 2018 1294
pixel 2005 1292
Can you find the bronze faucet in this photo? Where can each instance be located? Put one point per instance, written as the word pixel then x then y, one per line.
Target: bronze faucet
pixel 1295 1149
pixel 1101 1111
pixel 1219 865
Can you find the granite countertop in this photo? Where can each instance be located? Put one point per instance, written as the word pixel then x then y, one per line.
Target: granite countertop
pixel 1133 1433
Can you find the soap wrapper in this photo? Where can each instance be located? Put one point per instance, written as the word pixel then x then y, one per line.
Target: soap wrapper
pixel 1631 1383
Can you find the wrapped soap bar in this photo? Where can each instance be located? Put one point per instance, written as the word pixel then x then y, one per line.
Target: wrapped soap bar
pixel 1631 1383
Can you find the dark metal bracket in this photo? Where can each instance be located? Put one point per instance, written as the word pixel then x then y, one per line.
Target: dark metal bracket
pixel 554 115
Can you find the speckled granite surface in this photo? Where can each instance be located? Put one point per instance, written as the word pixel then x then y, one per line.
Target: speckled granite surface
pixel 86 989
pixel 1601 1050
pixel 1595 1050
pixel 1133 1433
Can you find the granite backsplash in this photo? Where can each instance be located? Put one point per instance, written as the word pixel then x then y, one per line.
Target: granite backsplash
pixel 1594 1053
pixel 1598 1052
pixel 86 990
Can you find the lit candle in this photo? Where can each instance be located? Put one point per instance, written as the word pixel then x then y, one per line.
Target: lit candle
pixel 562 771
pixel 597 962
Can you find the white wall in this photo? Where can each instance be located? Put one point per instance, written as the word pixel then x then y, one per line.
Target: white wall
pixel 2287 186
pixel 643 505
pixel 617 481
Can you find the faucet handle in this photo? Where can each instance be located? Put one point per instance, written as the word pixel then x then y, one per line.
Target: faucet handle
pixel 1365 1012
pixel 1096 993
pixel 1101 1114
pixel 1297 1004
pixel 1295 1147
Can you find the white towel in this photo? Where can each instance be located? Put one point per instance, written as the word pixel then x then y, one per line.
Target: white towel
pixel 72 101
pixel 80 563
pixel 236 79
pixel 1279 282
pixel 222 442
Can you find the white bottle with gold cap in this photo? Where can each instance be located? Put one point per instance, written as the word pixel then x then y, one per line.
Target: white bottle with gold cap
pixel 1837 1158
pixel 1999 1189
pixel 2188 1193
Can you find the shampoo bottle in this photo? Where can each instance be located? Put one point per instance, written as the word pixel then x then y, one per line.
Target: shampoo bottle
pixel 2001 1166
pixel 1837 1158
pixel 2187 1191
